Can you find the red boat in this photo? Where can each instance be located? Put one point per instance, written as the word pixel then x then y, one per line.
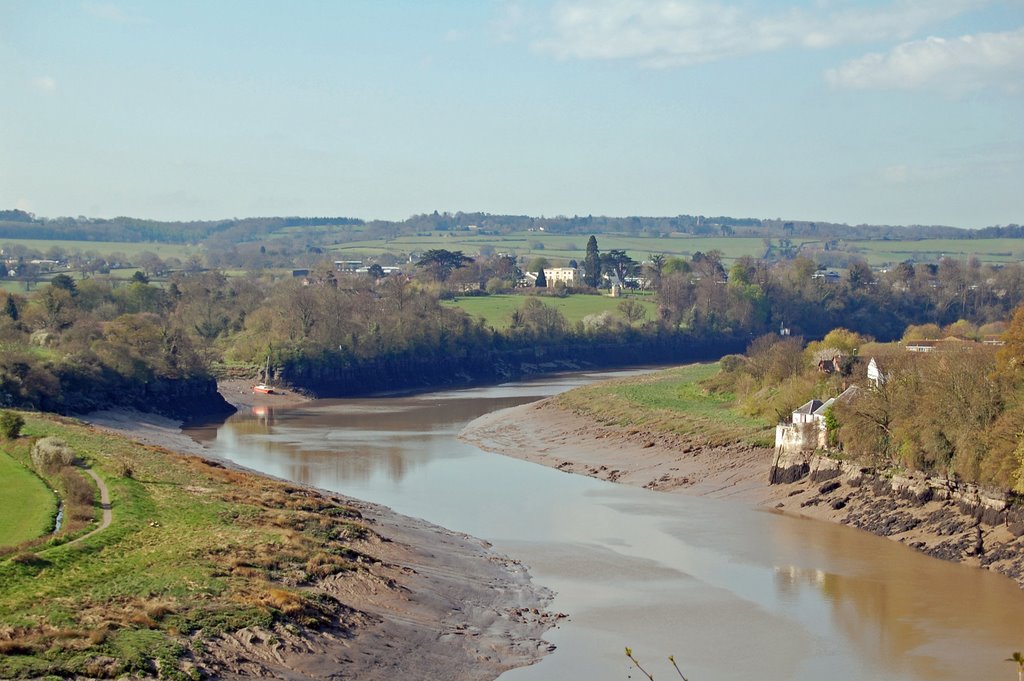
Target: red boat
pixel 263 388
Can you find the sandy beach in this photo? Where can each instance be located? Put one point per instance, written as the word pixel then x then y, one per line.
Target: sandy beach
pixel 545 433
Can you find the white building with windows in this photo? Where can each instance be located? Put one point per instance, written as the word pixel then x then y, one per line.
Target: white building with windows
pixel 568 276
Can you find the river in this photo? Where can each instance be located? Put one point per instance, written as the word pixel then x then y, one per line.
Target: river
pixel 730 591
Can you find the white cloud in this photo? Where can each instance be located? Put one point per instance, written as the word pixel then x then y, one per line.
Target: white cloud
pixel 665 33
pixel 44 85
pixel 952 67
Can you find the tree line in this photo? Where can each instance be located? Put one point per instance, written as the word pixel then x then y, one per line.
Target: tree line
pixel 18 224
pixel 69 333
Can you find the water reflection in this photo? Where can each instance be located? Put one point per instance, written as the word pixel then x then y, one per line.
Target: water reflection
pixel 731 591
pixel 900 609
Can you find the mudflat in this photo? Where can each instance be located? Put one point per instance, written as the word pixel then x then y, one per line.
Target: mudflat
pixel 431 603
pixel 546 433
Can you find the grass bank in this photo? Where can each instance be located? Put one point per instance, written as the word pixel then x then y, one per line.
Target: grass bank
pixel 671 402
pixel 27 505
pixel 194 550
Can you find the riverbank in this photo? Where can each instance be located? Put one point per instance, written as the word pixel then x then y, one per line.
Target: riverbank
pixel 238 393
pixel 280 581
pixel 544 432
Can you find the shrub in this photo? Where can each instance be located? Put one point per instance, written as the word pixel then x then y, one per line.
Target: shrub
pixel 10 425
pixel 124 468
pixel 497 285
pixel 50 454
pixel 79 491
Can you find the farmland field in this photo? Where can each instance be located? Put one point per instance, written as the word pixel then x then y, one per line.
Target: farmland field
pixel 561 248
pixel 26 505
pixel 556 247
pixel 128 248
pixel 496 310
pixel 931 250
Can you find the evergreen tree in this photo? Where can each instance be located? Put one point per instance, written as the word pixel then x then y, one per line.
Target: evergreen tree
pixel 592 264
pixel 11 309
pixel 64 282
pixel 542 281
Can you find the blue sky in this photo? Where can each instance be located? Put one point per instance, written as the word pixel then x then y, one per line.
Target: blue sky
pixel 896 111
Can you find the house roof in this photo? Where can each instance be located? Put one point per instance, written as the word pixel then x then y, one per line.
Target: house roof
pixel 847 394
pixel 820 411
pixel 809 407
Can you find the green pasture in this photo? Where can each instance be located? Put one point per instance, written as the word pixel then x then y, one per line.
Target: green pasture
pixel 878 252
pixel 12 285
pixel 27 505
pixel 496 310
pixel 672 401
pixel 128 248
pixel 558 247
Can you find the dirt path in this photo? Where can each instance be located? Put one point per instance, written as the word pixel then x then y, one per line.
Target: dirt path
pixel 108 514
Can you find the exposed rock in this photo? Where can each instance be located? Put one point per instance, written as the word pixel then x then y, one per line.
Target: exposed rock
pixel 788 468
pixel 829 487
pixel 823 468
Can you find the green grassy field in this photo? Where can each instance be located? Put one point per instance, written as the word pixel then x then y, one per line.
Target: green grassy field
pixel 129 248
pixel 27 505
pixel 496 310
pixel 931 250
pixel 193 550
pixel 670 401
pixel 13 286
pixel 561 248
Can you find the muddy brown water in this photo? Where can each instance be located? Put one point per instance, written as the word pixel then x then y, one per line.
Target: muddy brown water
pixel 730 591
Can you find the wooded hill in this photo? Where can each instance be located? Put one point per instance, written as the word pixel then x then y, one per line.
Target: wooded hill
pixel 17 224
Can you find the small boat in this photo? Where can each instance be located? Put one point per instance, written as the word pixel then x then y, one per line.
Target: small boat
pixel 263 388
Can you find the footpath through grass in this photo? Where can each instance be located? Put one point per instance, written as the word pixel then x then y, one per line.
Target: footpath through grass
pixel 671 401
pixel 194 550
pixel 27 505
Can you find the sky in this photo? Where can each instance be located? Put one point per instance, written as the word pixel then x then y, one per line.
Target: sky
pixel 880 112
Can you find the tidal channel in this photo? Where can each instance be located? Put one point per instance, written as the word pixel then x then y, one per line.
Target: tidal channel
pixel 731 592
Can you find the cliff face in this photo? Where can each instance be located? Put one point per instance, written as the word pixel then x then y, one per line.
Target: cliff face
pixel 185 399
pixel 192 399
pixel 943 518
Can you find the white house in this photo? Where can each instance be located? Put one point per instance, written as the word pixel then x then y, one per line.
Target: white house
pixel 808 430
pixel 875 374
pixel 569 276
